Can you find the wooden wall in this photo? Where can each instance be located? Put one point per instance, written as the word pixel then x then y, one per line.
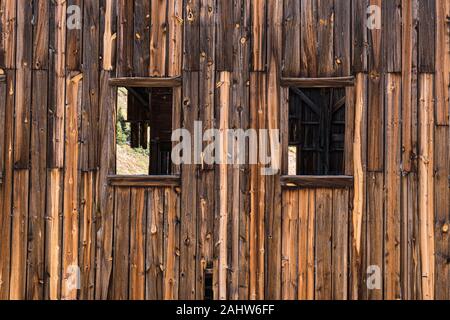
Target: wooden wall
pixel 57 146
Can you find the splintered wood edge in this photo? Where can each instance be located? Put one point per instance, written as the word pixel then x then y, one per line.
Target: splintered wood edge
pixel 144 181
pixel 337 82
pixel 146 82
pixel 340 182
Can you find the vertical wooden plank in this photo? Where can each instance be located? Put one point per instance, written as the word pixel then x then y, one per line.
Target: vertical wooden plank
pixel 71 211
pixel 224 31
pixel 158 38
pixel 175 22
pixel 309 38
pixel 273 187
pixel 427 36
pixel 125 17
pixel 311 240
pixel 242 69
pixel 340 244
pixel 259 8
pixel 137 244
pixel 142 27
pixel 377 54
pixel 155 239
pixel 19 235
pixel 442 62
pixel 392 33
pixel 224 106
pixel 105 215
pixel 8 41
pixel 36 226
pixel 258 107
pixel 303 254
pixel 7 187
pixel 375 228
pixel 349 129
pixel 291 38
pixel 120 281
pixel 53 235
pixel 442 214
pixel 392 289
pixel 90 108
pixel 3 95
pixel 23 81
pixel 290 245
pixel 426 185
pixel 206 183
pixel 109 26
pixel 57 86
pixel 325 38
pixel 87 236
pixel 415 276
pixel 324 227
pixel 191 52
pixel 409 86
pixel 74 46
pixel 375 123
pixel 358 214
pixel 359 35
pixel 189 203
pixel 375 111
pixel 238 117
pixel 342 37
pixel 172 244
pixel 40 35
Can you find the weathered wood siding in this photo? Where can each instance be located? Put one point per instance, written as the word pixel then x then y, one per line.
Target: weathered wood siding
pixel 57 148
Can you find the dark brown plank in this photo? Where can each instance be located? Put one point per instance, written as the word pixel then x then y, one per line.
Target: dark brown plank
pixel 38 185
pixel 342 37
pixel 392 33
pixel 427 39
pixel 337 82
pixel 141 51
pixel 324 227
pixel 146 82
pixel 91 77
pixel 144 181
pixel 225 26
pixel 24 57
pixel 125 38
pixel 120 281
pixel 191 53
pixel 40 34
pixel 74 45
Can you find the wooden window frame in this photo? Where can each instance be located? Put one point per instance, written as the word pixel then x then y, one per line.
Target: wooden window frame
pixel 303 181
pixel 173 180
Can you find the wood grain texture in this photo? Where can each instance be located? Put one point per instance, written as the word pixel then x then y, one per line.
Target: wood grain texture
pixel 426 185
pixel 259 237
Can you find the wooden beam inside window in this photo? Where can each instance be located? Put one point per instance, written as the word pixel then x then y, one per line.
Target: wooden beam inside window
pixel 336 82
pixel 333 182
pixel 2 78
pixel 146 82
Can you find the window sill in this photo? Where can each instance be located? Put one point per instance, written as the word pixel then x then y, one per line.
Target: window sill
pixel 332 182
pixel 144 181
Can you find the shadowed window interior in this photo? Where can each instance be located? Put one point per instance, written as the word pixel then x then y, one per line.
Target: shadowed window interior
pixel 143 131
pixel 316 131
